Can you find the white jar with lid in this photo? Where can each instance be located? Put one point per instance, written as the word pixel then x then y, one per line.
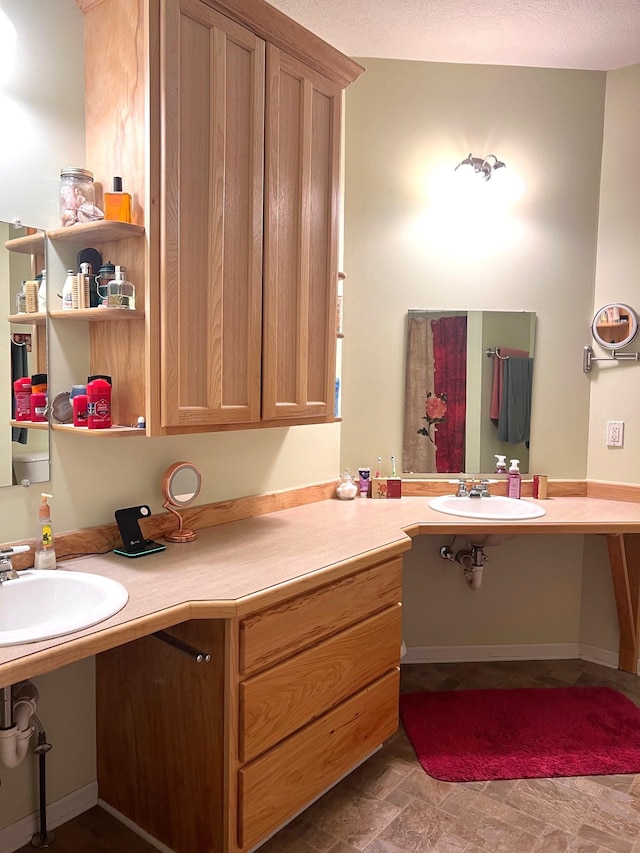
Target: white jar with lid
pixel 77 196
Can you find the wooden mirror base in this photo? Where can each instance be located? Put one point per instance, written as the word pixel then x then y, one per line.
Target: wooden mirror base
pixel 181 535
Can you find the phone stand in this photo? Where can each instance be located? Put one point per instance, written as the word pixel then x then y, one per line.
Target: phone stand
pixel 133 542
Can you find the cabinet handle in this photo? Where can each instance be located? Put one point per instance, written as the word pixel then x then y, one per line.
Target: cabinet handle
pixel 195 654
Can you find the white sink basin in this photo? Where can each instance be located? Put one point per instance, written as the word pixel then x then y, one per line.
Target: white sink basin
pixel 43 604
pixel 496 507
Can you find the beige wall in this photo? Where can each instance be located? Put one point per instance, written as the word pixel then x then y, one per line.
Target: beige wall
pixel 407 125
pixel 614 386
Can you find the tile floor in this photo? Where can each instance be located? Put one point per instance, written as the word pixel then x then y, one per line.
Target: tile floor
pixel 390 805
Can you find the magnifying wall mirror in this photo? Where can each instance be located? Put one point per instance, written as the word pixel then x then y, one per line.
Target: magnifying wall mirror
pixel 180 487
pixel 614 326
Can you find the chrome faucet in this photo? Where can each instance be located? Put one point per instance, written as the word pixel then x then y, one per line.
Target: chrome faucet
pixel 7 572
pixel 476 489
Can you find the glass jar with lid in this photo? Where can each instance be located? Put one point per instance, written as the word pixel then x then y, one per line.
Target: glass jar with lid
pixel 77 196
pixel 346 488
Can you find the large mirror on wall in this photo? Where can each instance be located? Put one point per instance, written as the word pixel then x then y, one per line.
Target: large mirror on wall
pixel 24 450
pixel 468 383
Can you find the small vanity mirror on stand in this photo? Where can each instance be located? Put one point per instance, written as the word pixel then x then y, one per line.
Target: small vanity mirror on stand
pixel 180 487
pixel 614 326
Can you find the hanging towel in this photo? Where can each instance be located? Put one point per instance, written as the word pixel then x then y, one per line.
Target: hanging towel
pixel 514 424
pixel 498 375
pixel 19 368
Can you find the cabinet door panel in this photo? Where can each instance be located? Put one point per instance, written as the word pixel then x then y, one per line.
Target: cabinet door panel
pixel 211 271
pixel 302 179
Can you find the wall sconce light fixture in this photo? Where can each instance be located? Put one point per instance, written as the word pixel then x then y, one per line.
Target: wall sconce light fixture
pixel 482 166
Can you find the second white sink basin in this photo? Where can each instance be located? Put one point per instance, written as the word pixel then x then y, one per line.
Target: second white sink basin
pixel 43 604
pixel 496 507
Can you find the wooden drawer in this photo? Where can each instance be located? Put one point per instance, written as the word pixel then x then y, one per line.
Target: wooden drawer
pixel 280 632
pixel 279 783
pixel 280 700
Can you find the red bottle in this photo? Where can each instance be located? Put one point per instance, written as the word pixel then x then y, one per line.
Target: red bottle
pixel 98 404
pixel 79 403
pixel 22 395
pixel 38 407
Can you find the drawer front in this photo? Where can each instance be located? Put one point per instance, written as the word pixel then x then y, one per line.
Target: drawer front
pixel 282 631
pixel 280 700
pixel 279 783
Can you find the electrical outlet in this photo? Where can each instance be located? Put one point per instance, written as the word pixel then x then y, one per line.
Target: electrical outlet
pixel 615 433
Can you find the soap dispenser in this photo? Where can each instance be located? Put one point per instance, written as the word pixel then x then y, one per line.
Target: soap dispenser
pixel 501 464
pixel 45 556
pixel 514 480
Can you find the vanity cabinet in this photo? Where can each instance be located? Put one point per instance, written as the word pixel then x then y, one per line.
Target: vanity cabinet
pixel 218 756
pixel 223 117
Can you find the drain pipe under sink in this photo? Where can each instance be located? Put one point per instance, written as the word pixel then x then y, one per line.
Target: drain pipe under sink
pixel 17 705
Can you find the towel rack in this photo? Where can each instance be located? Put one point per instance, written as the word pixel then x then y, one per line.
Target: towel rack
pixel 495 351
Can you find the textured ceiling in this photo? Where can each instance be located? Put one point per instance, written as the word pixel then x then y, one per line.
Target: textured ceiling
pixel 585 34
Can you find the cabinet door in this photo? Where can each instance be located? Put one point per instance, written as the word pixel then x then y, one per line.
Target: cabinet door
pixel 301 229
pixel 212 101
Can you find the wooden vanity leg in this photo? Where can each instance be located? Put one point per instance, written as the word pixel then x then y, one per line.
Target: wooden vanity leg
pixel 624 559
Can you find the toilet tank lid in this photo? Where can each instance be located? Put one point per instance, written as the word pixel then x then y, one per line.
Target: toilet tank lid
pixel 42 456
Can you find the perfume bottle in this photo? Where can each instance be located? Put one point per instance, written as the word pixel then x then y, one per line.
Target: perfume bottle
pixel 117 204
pixel 121 293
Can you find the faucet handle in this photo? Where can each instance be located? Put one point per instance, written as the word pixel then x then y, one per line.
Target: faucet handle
pixel 462 488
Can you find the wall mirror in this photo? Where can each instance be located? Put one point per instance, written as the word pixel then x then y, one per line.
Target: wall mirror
pixel 24 453
pixel 614 326
pixel 180 486
pixel 468 383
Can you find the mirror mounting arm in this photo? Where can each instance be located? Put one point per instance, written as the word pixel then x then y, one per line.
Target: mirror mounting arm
pixel 588 357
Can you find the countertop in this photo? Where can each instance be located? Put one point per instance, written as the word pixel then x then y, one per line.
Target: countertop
pixel 235 568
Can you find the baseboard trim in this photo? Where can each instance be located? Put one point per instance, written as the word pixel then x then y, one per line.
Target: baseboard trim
pixel 18 834
pixel 528 651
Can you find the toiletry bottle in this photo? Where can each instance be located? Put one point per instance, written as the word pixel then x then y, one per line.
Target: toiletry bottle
pixel 45 557
pixel 117 205
pixel 67 290
pixel 514 480
pixel 121 293
pixel 501 464
pixel 98 403
pixel 42 292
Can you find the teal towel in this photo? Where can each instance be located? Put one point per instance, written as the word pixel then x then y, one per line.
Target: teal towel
pixel 514 423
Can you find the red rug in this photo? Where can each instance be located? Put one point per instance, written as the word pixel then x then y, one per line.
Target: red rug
pixel 474 735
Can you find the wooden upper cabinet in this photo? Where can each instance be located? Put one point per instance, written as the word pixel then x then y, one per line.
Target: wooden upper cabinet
pixel 223 117
pixel 212 107
pixel 302 136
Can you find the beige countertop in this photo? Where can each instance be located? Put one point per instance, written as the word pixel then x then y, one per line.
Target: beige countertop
pixel 242 566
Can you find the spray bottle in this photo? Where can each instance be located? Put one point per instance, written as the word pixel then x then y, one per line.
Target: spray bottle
pixel 514 480
pixel 45 557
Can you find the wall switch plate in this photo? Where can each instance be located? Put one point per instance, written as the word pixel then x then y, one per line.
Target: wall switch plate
pixel 615 433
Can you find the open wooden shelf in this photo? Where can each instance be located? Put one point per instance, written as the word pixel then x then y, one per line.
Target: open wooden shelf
pixel 103 230
pixel 31 244
pixel 112 432
pixel 38 318
pixel 97 315
pixel 30 424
